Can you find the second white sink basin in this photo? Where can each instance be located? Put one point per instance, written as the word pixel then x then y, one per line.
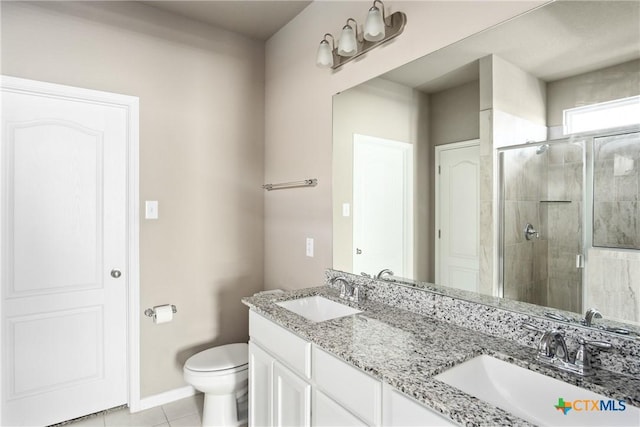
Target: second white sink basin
pixel 317 308
pixel 535 397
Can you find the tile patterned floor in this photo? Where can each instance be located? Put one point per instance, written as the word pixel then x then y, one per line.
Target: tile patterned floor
pixel 182 413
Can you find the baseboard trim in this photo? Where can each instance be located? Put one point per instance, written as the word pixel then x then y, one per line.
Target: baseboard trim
pixel 163 398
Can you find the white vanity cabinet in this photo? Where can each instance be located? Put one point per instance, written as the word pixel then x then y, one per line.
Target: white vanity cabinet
pixel 279 370
pixel 294 383
pixel 291 404
pixel 260 373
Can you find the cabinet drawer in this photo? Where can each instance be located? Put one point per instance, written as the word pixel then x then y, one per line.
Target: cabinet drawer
pixel 355 390
pixel 287 347
pixel 402 411
pixel 327 413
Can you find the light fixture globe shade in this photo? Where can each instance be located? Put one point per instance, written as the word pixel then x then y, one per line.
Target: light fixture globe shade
pixel 374 25
pixel 324 59
pixel 347 45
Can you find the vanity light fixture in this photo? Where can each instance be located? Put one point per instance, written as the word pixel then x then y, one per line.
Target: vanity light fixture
pixel 374 25
pixel 348 43
pixel 325 52
pixel 378 29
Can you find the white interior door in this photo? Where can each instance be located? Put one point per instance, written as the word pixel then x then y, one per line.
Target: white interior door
pixel 458 215
pixel 64 219
pixel 382 206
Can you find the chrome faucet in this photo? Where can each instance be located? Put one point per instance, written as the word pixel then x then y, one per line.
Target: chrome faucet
pixel 349 291
pixel 383 272
pixel 552 350
pixel 552 345
pixel 591 314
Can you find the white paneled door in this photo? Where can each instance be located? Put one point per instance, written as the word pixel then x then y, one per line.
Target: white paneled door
pixel 64 256
pixel 382 201
pixel 458 215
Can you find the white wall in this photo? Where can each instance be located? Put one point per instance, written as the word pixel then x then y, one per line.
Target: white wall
pixel 298 127
pixel 201 156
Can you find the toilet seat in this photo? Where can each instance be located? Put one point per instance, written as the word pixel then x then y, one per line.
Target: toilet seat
pixel 224 359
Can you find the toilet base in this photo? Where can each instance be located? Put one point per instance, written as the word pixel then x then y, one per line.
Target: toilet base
pixel 222 410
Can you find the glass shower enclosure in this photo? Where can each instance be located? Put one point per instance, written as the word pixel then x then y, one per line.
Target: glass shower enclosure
pixel 557 199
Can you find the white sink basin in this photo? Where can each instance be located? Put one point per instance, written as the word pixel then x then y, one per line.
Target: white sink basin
pixel 317 308
pixel 534 397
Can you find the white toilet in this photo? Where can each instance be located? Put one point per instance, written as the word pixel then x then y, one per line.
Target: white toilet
pixel 221 373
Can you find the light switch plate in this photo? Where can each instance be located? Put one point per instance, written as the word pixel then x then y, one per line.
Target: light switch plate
pixel 151 209
pixel 310 247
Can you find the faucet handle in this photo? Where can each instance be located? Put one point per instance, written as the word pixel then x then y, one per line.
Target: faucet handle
pixel 583 355
pixel 591 314
pixel 356 293
pixel 532 327
pixel 600 345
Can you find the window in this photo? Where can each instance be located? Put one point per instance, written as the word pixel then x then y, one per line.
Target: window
pixel 617 113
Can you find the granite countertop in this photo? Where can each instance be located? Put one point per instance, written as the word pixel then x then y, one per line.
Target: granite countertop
pixel 406 350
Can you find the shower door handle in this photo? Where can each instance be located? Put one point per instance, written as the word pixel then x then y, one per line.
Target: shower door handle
pixel 579 261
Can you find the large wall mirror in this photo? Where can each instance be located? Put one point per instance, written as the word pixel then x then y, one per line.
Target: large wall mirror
pixel 484 166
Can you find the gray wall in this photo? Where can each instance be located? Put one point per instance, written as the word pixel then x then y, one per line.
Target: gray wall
pixel 607 84
pixel 454 114
pixel 201 156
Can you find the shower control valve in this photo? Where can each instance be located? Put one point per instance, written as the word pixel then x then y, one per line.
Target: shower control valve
pixel 530 232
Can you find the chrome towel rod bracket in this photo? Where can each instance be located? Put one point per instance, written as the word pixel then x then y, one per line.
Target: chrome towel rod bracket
pixel 305 183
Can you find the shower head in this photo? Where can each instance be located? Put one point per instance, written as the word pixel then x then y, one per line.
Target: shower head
pixel 542 148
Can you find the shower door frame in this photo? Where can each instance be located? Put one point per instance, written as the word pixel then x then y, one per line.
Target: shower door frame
pixel 586 215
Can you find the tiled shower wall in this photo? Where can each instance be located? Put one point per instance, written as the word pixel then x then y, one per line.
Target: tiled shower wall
pixel 616 207
pixel 612 283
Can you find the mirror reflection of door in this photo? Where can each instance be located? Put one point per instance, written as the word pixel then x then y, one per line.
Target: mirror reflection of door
pixel 382 206
pixel 458 215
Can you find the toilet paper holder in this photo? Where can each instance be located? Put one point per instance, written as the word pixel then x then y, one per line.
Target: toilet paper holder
pixel 150 312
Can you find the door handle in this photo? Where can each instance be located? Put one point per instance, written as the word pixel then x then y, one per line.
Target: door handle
pixel 115 273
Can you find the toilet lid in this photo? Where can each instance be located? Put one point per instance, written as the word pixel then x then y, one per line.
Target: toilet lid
pixel 219 358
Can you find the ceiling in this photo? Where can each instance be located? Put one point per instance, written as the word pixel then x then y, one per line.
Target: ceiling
pixel 553 42
pixel 256 19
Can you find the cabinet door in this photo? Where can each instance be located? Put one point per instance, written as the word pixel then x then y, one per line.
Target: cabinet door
pixel 327 413
pixel 291 398
pixel 260 367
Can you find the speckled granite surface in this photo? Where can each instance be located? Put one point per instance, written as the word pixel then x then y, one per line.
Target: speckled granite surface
pixel 501 319
pixel 406 349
